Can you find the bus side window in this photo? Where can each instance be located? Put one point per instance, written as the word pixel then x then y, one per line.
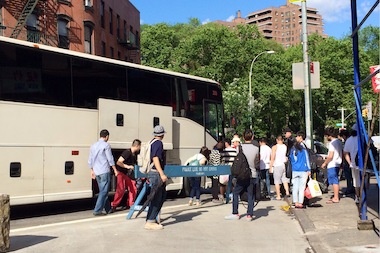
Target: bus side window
pixel 69 168
pixel 15 169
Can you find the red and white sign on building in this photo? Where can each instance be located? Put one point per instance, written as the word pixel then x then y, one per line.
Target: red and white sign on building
pixel 375 78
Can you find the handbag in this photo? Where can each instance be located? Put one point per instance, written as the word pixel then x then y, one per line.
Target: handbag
pixel 131 174
pixel 314 188
pixel 288 169
pixel 307 193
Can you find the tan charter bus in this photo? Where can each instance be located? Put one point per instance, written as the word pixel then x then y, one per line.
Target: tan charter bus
pixel 54 102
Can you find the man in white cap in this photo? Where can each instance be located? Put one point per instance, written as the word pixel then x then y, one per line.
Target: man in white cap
pixel 157 179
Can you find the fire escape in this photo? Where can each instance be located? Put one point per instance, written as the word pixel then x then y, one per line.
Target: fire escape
pixel 28 9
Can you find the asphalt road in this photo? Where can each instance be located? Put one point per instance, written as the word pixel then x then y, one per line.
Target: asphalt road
pixel 47 213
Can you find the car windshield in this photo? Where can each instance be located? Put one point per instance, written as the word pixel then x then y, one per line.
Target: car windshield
pixel 320 148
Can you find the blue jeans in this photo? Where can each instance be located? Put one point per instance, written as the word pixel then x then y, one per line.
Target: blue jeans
pixel 265 175
pixel 195 183
pixel 157 201
pixel 299 179
pixel 250 186
pixel 102 201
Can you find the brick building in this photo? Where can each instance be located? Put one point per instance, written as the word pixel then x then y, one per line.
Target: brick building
pixel 109 28
pixel 282 24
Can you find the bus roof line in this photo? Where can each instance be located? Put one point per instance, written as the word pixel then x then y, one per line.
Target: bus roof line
pixel 103 59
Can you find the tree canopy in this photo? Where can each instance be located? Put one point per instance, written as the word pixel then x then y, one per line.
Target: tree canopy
pixel 225 55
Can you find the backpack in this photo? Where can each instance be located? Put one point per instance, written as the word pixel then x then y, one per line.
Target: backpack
pixel 146 165
pixel 240 167
pixel 194 162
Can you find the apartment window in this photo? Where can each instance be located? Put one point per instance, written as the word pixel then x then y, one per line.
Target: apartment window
pixel 88 39
pixel 137 39
pixel 32 32
pixel 102 13
pixel 125 30
pixel 118 55
pixel 111 52
pixel 111 21
pixel 88 3
pixel 103 48
pixel 118 26
pixel 63 33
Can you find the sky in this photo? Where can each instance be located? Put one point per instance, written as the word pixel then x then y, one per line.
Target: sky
pixel 336 14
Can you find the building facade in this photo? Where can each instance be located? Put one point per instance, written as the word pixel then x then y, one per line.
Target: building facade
pixel 109 28
pixel 284 24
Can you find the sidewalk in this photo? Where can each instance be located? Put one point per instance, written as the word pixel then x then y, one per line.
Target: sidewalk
pixel 333 227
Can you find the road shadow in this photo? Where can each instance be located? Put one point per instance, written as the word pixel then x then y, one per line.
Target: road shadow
pixel 24 241
pixel 179 216
pixel 262 212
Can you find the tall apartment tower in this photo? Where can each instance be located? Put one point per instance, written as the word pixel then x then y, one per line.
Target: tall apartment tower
pixel 284 24
pixel 106 28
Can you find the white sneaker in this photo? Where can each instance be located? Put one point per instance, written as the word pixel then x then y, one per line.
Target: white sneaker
pixel 153 226
pixel 232 217
pixel 356 200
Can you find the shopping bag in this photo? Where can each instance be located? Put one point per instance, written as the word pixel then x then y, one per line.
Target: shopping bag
pixel 223 179
pixel 307 193
pixel 314 188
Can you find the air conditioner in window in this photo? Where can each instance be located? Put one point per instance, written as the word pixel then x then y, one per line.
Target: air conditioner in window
pixel 88 3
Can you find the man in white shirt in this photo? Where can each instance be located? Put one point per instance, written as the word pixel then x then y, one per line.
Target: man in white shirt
pixel 265 154
pixel 350 151
pixel 333 162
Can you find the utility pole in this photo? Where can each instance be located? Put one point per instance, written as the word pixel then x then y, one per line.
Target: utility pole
pixel 306 66
pixel 342 113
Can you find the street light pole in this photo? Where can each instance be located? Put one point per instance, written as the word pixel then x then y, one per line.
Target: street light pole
pixel 250 83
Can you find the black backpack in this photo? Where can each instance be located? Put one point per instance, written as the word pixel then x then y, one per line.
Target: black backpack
pixel 240 167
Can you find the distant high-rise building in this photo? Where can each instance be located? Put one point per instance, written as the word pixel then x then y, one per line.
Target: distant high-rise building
pixel 98 27
pixel 284 24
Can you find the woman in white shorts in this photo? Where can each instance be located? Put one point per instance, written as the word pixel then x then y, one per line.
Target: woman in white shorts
pixel 277 164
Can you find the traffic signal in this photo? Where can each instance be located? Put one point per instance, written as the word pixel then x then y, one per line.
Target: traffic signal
pixel 365 113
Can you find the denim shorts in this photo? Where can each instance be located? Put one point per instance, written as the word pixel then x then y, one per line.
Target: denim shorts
pixel 332 175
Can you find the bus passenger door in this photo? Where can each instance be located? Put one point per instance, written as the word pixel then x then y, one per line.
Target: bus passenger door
pixel 213 122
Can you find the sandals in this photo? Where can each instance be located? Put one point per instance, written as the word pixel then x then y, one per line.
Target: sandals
pixel 331 201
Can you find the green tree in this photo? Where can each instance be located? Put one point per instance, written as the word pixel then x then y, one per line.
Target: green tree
pixel 225 55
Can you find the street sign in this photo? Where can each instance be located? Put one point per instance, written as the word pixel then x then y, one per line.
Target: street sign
pixel 299 77
pixel 340 125
pixel 369 112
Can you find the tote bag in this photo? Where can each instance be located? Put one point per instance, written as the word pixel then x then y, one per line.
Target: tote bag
pixel 314 188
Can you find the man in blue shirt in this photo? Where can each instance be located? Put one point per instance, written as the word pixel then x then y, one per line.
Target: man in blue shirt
pixel 100 161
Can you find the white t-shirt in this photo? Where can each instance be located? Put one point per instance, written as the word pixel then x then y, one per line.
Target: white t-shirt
pixel 265 153
pixel 351 146
pixel 336 147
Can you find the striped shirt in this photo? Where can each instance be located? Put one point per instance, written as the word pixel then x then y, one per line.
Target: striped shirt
pixel 228 155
